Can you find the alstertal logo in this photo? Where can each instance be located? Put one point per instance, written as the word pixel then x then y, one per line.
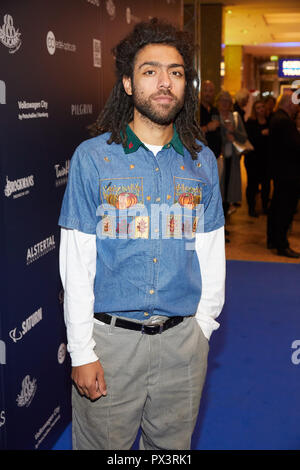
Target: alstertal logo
pixel 9 35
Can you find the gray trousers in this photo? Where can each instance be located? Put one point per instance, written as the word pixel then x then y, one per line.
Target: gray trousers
pixel 153 382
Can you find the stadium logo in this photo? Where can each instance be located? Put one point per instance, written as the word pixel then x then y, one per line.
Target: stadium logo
pixel 27 392
pixel 9 35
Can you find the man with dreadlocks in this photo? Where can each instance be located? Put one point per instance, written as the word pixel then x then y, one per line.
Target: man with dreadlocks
pixel 142 253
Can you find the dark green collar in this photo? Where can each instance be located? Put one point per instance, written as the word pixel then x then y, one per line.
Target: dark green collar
pixel 133 142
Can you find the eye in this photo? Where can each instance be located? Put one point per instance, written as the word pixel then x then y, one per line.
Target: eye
pixel 177 73
pixel 149 72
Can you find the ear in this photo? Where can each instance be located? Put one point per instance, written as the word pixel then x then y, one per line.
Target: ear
pixel 127 85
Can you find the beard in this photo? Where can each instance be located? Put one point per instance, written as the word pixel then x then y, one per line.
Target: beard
pixel 159 113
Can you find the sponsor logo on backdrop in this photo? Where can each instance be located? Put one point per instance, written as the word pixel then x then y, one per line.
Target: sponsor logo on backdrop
pixel 27 325
pixel 61 353
pixel 10 37
pixel 53 44
pixel 2 352
pixel 27 392
pixel 2 92
pixel 40 249
pixel 111 9
pixel 94 2
pixel 97 52
pixel 33 110
pixel 80 109
pixel 18 188
pixel 130 18
pixel 61 173
pixel 46 428
pixel 2 418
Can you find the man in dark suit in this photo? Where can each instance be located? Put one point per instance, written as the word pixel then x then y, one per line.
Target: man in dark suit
pixel 210 118
pixel 285 170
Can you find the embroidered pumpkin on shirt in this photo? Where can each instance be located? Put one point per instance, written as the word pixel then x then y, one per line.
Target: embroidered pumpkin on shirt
pixel 187 200
pixel 126 200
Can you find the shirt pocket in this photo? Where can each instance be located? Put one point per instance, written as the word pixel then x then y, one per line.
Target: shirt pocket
pixel 190 196
pixel 119 198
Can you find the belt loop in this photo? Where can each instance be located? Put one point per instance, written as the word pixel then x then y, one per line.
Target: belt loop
pixel 112 325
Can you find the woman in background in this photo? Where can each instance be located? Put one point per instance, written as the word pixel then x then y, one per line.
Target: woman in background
pixel 256 162
pixel 232 129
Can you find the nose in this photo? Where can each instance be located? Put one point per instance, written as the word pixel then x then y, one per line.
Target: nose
pixel 164 80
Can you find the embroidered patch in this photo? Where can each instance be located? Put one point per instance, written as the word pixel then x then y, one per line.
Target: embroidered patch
pixel 108 226
pixel 173 226
pixel 141 226
pixel 189 226
pixel 121 193
pixel 187 192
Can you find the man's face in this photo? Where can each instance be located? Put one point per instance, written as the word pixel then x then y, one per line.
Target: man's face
pixel 158 83
pixel 208 93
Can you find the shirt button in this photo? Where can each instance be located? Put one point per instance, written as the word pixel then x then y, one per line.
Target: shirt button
pixel 151 291
pixel 146 314
pixel 154 260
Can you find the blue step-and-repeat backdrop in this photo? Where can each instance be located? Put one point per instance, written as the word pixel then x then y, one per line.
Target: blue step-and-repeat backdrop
pixel 56 71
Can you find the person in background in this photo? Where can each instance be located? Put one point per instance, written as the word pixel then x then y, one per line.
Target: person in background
pixel 210 118
pixel 256 162
pixel 297 119
pixel 242 98
pixel 284 140
pixel 270 103
pixel 232 128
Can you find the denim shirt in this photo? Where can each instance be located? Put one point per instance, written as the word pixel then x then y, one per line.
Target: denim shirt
pixel 145 211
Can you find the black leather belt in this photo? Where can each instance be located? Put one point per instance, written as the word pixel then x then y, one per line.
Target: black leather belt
pixel 145 329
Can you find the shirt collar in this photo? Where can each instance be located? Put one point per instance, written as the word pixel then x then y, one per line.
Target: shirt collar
pixel 134 143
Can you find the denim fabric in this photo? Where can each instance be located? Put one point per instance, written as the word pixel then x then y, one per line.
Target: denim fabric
pixel 145 211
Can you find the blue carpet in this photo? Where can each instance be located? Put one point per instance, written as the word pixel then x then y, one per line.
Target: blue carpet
pixel 251 398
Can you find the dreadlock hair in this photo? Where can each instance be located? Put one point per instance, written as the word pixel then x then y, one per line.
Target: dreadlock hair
pixel 118 110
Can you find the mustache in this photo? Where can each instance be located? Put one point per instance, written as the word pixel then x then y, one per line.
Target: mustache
pixel 163 93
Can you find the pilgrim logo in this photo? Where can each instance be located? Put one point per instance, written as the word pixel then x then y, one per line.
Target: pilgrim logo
pixel 9 35
pixel 2 92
